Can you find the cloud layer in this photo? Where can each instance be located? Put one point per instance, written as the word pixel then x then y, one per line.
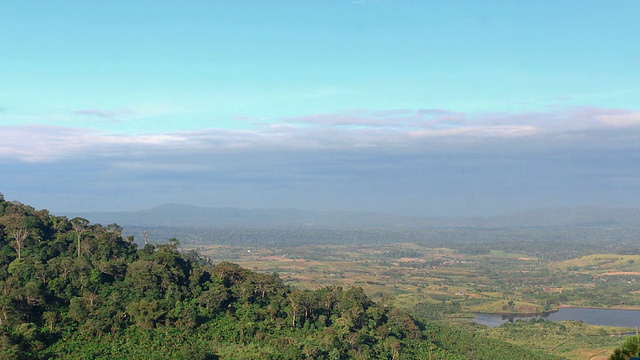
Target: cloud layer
pixel 426 161
pixel 429 130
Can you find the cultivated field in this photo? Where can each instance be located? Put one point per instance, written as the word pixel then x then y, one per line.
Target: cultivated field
pixel 448 285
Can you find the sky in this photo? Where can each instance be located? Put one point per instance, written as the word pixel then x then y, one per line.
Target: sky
pixel 426 108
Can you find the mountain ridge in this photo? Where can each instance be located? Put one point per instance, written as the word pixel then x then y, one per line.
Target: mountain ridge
pixel 185 215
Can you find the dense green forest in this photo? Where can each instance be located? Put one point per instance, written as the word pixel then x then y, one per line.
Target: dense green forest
pixel 71 289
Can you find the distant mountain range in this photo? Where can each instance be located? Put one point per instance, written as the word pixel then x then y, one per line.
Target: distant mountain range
pixel 180 215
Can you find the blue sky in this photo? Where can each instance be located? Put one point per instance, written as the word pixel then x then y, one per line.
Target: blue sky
pixel 431 108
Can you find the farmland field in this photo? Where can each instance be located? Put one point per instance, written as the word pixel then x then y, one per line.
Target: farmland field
pixel 448 285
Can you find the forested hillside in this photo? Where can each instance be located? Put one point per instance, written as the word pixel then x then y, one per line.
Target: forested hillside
pixel 70 289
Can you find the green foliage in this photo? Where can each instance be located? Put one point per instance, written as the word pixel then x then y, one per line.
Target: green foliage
pixel 75 290
pixel 474 345
pixel 629 348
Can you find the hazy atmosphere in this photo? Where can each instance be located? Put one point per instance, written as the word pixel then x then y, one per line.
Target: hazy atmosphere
pixel 416 108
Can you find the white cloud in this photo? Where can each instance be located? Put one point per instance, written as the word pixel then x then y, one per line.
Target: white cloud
pixel 390 130
pixel 480 132
pixel 621 120
pixel 36 143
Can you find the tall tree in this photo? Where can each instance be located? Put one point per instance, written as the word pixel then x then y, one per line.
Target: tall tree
pixel 15 223
pixel 19 236
pixel 80 225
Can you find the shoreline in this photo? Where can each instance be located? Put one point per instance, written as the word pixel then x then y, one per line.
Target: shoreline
pixel 630 308
pixel 555 310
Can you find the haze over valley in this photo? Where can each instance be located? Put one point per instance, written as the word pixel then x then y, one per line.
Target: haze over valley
pixel 195 216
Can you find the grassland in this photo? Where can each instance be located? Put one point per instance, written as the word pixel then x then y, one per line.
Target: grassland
pixel 571 339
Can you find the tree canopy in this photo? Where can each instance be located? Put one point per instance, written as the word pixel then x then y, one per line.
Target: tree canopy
pixel 628 349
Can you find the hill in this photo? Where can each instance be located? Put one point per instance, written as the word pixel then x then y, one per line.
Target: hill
pixel 74 290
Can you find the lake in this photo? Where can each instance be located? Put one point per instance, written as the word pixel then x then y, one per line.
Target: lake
pixel 622 318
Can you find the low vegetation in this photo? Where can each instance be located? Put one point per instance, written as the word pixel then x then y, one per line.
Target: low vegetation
pixel 570 339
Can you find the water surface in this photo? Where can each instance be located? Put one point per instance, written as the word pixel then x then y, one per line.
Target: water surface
pixel 622 318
